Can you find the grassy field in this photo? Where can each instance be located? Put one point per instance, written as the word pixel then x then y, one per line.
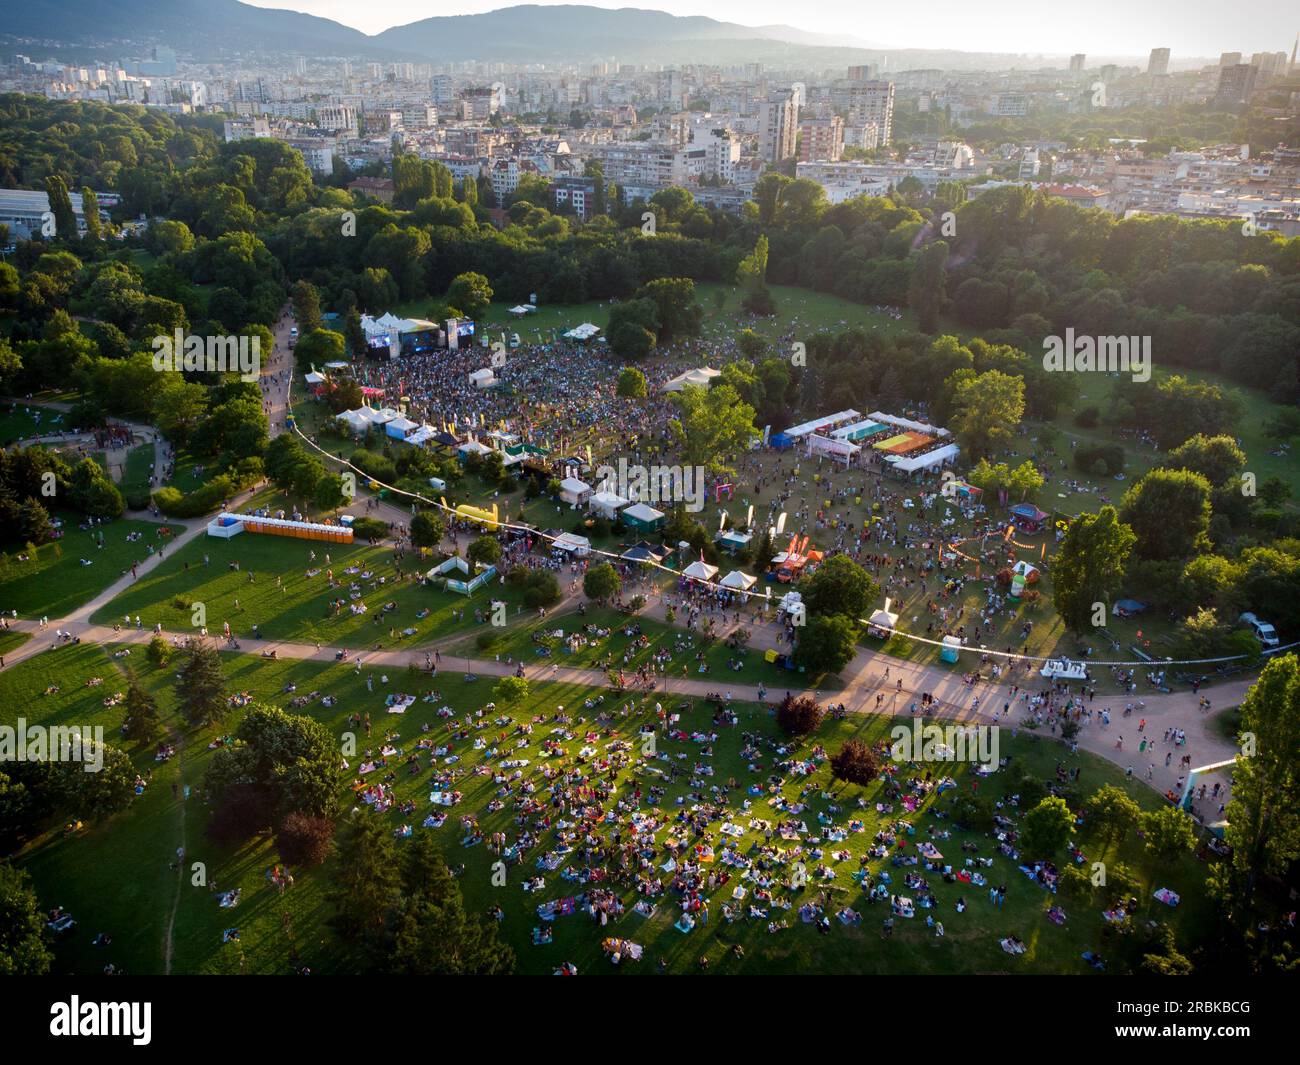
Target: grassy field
pixel 288 604
pixel 138 469
pixel 20 421
pixel 55 582
pixel 115 877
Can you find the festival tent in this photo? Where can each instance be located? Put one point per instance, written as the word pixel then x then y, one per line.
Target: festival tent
pixel 383 417
pixel 315 382
pixel 400 426
pixel 701 571
pixel 1028 517
pixel 574 491
pixel 645 552
pixel 889 441
pixel 703 377
pixel 883 621
pixel 354 420
pixel 733 539
pixel 472 447
pixel 421 436
pixel 572 543
pixel 641 517
pixel 858 430
pixel 444 439
pixel 606 504
pixel 798 432
pixel 483 378
pixel 739 581
pixel 582 332
pixel 1125 608
pixel 912 441
pixel 522 310
pixel 839 449
pixel 907 423
pixel 927 461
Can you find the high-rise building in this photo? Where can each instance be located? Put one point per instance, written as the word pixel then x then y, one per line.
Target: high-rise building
pixel 1236 83
pixel 1229 59
pixel 821 140
pixel 1158 64
pixel 1076 62
pixel 863 73
pixel 863 102
pixel 778 120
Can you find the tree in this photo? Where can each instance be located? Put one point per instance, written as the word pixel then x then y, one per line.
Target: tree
pixel 470 293
pixel 288 760
pixel 1111 813
pixel 433 934
pixel 855 763
pixel 90 212
pixel 677 312
pixel 141 722
pixel 304 839
pixel 306 306
pixel 24 941
pixel 601 582
pixel 1046 829
pixel 926 290
pixel 1169 510
pixel 485 550
pixel 318 347
pixel 159 650
pixel 631 383
pixel 798 715
pixel 328 493
pixel 65 220
pixel 827 643
pixel 367 878
pixel 713 425
pixel 200 688
pixel 1089 567
pixel 840 586
pixel 1216 458
pixel 1169 832
pixel 1264 814
pixel 987 408
pixel 427 529
pixel 96 794
pixel 510 691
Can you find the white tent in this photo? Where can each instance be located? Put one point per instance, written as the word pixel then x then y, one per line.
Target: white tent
pixel 607 503
pixel 314 377
pixel 739 581
pixel 883 621
pixel 700 571
pixel 422 435
pixel 703 377
pixel 574 491
pixel 383 417
pixel 642 513
pixel 572 543
pixel 473 447
pixel 522 310
pixel 354 420
pixel 482 378
pixel 400 426
pixel 582 332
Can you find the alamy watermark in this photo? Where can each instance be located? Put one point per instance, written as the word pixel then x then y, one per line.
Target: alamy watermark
pixel 945 743
pixel 1105 354
pixel 53 743
pixel 655 484
pixel 220 354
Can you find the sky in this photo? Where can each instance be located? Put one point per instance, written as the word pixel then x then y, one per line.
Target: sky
pixel 1190 28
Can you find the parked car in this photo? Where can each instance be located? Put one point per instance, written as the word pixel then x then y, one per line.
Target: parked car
pixel 1264 632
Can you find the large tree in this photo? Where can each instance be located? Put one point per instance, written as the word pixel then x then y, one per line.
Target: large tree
pixel 24 943
pixel 713 425
pixel 840 586
pixel 1089 567
pixel 986 409
pixel 200 686
pixel 1169 510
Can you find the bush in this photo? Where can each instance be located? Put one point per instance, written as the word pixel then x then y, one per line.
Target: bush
pixel 159 651
pixel 1101 460
pixel 202 500
pixel 799 715
pixel 305 840
pixel 855 763
pixel 541 589
pixel 486 640
pixel 1087 418
pixel 369 529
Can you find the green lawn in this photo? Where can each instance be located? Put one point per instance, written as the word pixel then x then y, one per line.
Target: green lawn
pixel 114 877
pixel 138 469
pixel 21 421
pixel 56 582
pixel 297 609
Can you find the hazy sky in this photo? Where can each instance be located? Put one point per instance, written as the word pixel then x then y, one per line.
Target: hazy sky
pixel 1191 28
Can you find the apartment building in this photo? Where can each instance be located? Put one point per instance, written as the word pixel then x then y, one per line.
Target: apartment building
pixel 778 119
pixel 821 140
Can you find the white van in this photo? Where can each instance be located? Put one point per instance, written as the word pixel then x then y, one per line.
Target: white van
pixel 1264 632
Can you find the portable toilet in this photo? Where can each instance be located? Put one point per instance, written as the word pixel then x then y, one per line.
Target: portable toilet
pixel 951 649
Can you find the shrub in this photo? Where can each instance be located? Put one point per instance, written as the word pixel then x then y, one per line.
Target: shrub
pixel 486 640
pixel 799 715
pixel 855 763
pixel 304 840
pixel 369 529
pixel 159 651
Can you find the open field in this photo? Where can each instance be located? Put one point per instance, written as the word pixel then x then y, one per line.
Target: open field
pixel 114 877
pixel 56 583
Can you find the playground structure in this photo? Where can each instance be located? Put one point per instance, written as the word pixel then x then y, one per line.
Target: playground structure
pixel 226 525
pixel 790 563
